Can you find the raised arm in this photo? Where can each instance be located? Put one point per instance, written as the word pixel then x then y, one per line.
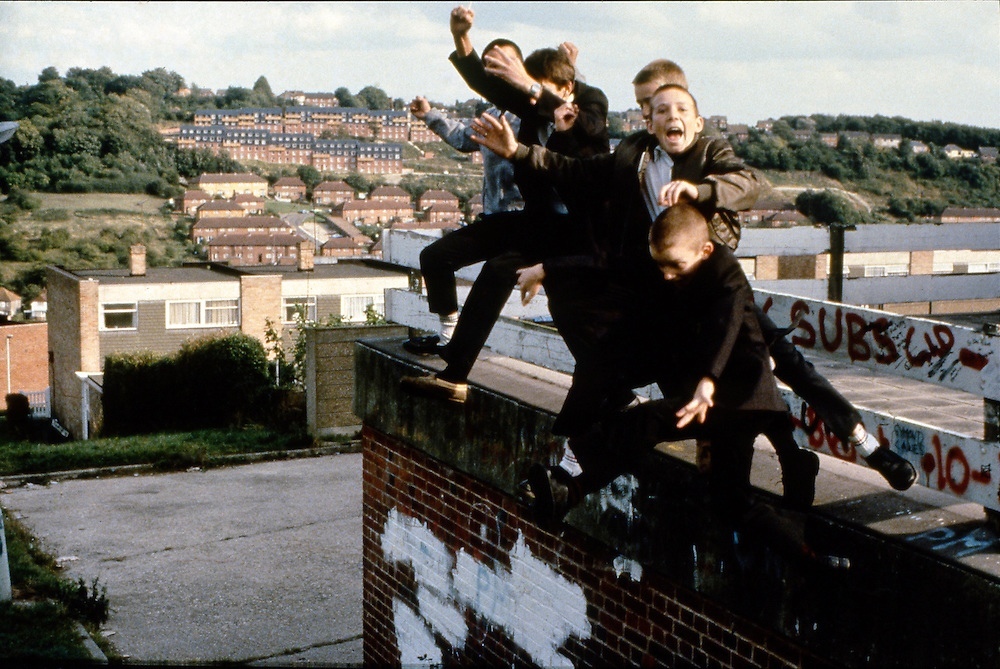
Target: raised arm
pixel 594 174
pixel 460 24
pixel 455 133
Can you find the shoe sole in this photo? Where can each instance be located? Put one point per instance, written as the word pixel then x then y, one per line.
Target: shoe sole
pixel 456 396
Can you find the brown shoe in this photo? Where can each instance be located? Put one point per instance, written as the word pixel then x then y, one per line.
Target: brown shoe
pixel 435 388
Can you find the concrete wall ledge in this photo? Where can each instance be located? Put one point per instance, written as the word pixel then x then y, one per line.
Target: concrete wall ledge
pixel 924 589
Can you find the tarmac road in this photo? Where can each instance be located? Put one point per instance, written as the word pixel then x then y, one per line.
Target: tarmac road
pixel 257 564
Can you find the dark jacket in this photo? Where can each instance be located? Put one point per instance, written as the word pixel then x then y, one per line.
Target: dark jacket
pixel 724 183
pixel 709 329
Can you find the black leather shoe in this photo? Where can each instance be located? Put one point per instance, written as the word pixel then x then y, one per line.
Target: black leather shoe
pixel 798 478
pixel 429 345
pixel 897 471
pixel 551 496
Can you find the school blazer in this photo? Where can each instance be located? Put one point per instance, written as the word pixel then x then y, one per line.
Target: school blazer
pixel 710 329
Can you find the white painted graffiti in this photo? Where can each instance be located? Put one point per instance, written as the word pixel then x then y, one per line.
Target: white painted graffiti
pixel 535 606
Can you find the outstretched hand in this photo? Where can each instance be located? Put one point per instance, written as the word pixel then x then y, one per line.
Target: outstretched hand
pixel 699 405
pixel 529 280
pixel 495 134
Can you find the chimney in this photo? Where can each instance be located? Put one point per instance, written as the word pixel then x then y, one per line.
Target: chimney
pixel 307 254
pixel 137 260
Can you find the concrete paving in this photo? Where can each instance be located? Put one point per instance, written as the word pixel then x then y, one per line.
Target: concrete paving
pixel 257 564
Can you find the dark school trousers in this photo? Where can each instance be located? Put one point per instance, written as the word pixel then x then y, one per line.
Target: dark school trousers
pixel 504 242
pixel 612 447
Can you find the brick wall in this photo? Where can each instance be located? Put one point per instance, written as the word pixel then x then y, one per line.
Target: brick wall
pixel 260 299
pixel 29 356
pixel 74 342
pixel 456 574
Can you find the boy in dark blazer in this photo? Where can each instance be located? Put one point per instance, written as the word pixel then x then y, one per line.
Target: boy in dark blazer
pixel 702 344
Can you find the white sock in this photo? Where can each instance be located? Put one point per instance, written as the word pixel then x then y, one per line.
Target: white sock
pixel 864 443
pixel 569 462
pixel 448 324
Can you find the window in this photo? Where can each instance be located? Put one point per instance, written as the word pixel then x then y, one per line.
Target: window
pixel 354 308
pixel 293 305
pixel 202 313
pixel 119 316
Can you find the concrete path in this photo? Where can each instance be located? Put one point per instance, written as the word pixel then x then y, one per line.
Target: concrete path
pixel 257 564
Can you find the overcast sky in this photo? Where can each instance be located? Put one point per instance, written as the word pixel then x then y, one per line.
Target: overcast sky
pixel 933 60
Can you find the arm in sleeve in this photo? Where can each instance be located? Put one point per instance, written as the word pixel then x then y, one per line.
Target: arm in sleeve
pixel 455 133
pixel 724 319
pixel 500 93
pixel 592 174
pixel 728 183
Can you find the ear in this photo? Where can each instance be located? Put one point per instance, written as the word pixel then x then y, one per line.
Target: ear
pixel 707 249
pixel 700 124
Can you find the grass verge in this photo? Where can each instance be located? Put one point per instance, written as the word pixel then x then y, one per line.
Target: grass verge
pixel 40 624
pixel 163 452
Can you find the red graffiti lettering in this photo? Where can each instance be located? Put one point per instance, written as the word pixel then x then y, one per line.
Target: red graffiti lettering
pixel 972 360
pixel 768 303
pixel 818 435
pixel 945 340
pixel 857 347
pixel 953 470
pixel 800 309
pixel 839 330
pixel 888 354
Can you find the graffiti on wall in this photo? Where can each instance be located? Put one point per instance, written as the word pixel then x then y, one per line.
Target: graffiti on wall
pixel 950 355
pixel 962 466
pixel 536 607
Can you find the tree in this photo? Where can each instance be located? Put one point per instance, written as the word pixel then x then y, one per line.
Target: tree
pixel 373 98
pixel 48 74
pixel 828 207
pixel 345 98
pixel 310 175
pixel 262 94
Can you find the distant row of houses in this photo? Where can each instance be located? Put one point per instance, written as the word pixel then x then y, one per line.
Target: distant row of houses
pixel 885 141
pixel 232 228
pixel 325 137
pixel 776 213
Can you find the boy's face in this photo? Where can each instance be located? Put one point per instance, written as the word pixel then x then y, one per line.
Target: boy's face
pixel 681 259
pixel 643 97
pixel 675 123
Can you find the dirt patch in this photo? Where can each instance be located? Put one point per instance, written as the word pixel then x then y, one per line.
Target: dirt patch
pixel 71 202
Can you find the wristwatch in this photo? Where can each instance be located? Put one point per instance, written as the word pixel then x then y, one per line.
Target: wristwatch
pixel 535 91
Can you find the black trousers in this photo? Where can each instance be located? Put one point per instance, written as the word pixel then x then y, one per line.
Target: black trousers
pixel 612 447
pixel 505 243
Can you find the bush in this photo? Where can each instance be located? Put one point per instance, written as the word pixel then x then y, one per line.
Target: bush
pixel 210 382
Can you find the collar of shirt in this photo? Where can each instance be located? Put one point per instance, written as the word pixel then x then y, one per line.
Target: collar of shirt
pixel 657 174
